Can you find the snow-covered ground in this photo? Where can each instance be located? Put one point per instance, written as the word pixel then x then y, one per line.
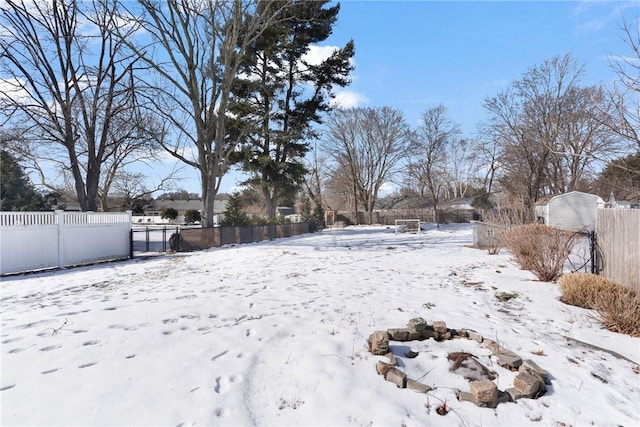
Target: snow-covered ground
pixel 274 333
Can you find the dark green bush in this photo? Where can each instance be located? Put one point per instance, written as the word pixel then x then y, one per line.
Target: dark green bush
pixel 192 216
pixel 169 213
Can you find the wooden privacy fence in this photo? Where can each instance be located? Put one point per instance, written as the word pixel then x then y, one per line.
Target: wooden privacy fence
pixel 618 236
pixel 40 240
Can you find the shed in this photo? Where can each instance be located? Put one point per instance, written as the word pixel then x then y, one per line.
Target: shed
pixel 573 211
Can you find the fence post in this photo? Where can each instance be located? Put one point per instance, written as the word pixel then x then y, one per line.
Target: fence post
pixel 60 225
pixel 594 252
pixel 164 238
pixel 146 238
pixel 131 243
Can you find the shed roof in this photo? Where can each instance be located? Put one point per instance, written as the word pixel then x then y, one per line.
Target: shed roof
pixel 547 199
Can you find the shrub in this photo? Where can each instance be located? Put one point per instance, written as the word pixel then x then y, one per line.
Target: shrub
pixel 169 213
pixel 581 289
pixel 617 308
pixel 619 311
pixel 192 216
pixel 540 248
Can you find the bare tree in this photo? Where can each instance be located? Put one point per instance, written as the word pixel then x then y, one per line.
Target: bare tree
pixel 193 56
pixel 526 121
pixel 584 140
pixel 462 166
pixel 625 119
pixel 488 161
pixel 434 137
pixel 369 144
pixel 67 82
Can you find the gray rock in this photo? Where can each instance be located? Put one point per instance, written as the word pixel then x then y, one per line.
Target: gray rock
pixel 414 335
pixel 398 334
pixel 442 336
pixel 529 385
pixel 383 368
pixel 484 391
pixel 428 333
pixel 464 396
pixel 514 394
pixel 379 343
pixel 397 377
pixel 503 397
pixel 532 368
pixel 417 324
pixel 491 345
pixel 473 335
pixel 392 358
pixel 439 326
pixel 508 359
pixel 416 386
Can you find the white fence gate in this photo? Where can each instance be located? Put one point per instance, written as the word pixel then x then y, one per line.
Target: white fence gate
pixel 39 240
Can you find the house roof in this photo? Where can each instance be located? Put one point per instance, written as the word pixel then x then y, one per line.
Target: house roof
pixel 185 205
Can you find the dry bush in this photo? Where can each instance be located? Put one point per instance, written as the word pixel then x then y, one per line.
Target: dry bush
pixel 504 217
pixel 501 220
pixel 540 248
pixel 581 289
pixel 617 307
pixel 619 311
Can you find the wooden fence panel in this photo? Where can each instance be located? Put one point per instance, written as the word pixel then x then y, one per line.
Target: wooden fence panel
pixel 618 236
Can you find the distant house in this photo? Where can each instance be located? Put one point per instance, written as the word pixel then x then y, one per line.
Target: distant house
pixel 573 211
pixel 153 212
pixel 182 206
pixel 458 210
pixel 621 204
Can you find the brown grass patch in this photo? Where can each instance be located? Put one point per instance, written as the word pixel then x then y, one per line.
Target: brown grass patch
pixel 619 311
pixel 617 307
pixel 581 289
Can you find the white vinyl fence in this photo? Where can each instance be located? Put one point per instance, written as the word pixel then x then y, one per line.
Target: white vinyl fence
pixel 39 240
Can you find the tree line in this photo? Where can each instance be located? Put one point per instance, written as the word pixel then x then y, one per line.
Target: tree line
pixel 88 89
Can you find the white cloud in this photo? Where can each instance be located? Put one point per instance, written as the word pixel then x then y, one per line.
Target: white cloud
pixel 387 188
pixel 317 54
pixel 13 88
pixel 348 99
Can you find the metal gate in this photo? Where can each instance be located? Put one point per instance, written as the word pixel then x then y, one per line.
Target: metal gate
pixel 585 256
pixel 151 239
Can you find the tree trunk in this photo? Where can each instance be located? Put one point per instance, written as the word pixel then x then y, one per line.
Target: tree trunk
pixel 355 201
pixel 269 202
pixel 208 197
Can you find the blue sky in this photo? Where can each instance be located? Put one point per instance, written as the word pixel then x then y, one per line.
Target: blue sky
pixel 412 55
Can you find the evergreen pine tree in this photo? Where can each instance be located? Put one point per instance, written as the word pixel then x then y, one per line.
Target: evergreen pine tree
pixel 17 193
pixel 284 95
pixel 233 214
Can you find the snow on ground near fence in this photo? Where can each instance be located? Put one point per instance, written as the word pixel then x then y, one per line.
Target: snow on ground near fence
pixel 274 333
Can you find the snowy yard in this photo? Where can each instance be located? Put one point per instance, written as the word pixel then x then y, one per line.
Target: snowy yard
pixel 274 333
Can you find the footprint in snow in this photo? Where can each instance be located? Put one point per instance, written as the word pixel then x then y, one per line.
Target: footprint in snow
pixel 223 384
